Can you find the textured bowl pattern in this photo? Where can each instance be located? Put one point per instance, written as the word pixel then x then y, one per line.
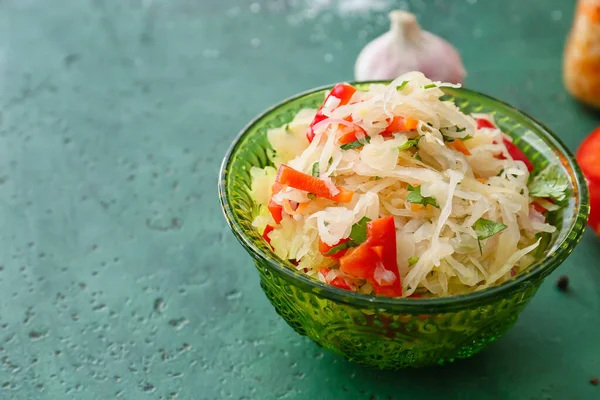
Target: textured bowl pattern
pixel 396 333
pixel 388 339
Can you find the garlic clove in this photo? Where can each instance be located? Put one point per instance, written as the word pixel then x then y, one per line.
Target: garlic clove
pixel 406 47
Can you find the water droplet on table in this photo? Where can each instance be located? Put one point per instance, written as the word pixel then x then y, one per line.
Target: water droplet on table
pixel 233 295
pixel 255 8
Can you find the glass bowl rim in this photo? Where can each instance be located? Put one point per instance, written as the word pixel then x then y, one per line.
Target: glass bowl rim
pixel 437 304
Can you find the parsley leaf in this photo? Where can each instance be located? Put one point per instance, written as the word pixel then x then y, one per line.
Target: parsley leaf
pixel 550 183
pixel 467 137
pixel 410 143
pixel 377 178
pixel 358 234
pixel 416 197
pixel 339 247
pixel 484 228
pixel 401 86
pixel 356 144
pixel 330 160
pixel 412 261
pixel 287 128
pixel 418 157
pixel 315 169
pixel 311 196
pixel 461 130
pixel 431 85
pixel 448 138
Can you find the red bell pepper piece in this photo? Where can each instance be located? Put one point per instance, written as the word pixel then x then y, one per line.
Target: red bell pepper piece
pixel 538 207
pixel 324 248
pixel 399 124
pixel 265 235
pixel 594 220
pixel 338 281
pixel 517 154
pixel 299 180
pixel 484 123
pixel 349 135
pixel 342 91
pixel 379 249
pixel 276 211
pixel 588 156
pixel 513 150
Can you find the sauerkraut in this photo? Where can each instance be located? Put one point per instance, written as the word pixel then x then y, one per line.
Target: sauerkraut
pixel 397 160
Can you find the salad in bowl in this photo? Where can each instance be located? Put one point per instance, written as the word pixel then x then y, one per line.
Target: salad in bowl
pixel 393 191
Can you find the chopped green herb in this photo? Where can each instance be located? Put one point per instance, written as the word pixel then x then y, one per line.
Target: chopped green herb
pixel 501 172
pixel 315 169
pixel 416 197
pixel 430 124
pixel 311 196
pixel 358 234
pixel 410 143
pixel 287 128
pixel 418 157
pixel 448 138
pixel 401 86
pixel 431 85
pixel 412 261
pixel 544 243
pixel 339 247
pixel 484 228
pixel 468 137
pixel 550 183
pixel 356 144
pixel 330 160
pixel 377 178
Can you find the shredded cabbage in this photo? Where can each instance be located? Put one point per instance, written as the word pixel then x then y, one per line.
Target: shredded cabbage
pixel 439 251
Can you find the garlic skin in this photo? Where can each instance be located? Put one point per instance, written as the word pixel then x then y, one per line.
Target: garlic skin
pixel 406 47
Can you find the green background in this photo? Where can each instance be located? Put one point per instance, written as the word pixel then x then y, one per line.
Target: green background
pixel 118 275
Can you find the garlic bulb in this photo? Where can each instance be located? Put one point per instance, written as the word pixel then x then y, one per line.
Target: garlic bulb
pixel 406 47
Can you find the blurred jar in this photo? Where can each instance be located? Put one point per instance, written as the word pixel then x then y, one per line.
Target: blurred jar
pixel 581 66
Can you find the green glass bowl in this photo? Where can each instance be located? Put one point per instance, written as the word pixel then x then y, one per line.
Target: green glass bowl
pixel 388 332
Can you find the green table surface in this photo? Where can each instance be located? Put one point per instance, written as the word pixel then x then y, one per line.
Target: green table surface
pixel 118 275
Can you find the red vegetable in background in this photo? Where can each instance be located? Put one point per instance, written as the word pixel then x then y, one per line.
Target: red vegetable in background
pixel 342 91
pixel 588 157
